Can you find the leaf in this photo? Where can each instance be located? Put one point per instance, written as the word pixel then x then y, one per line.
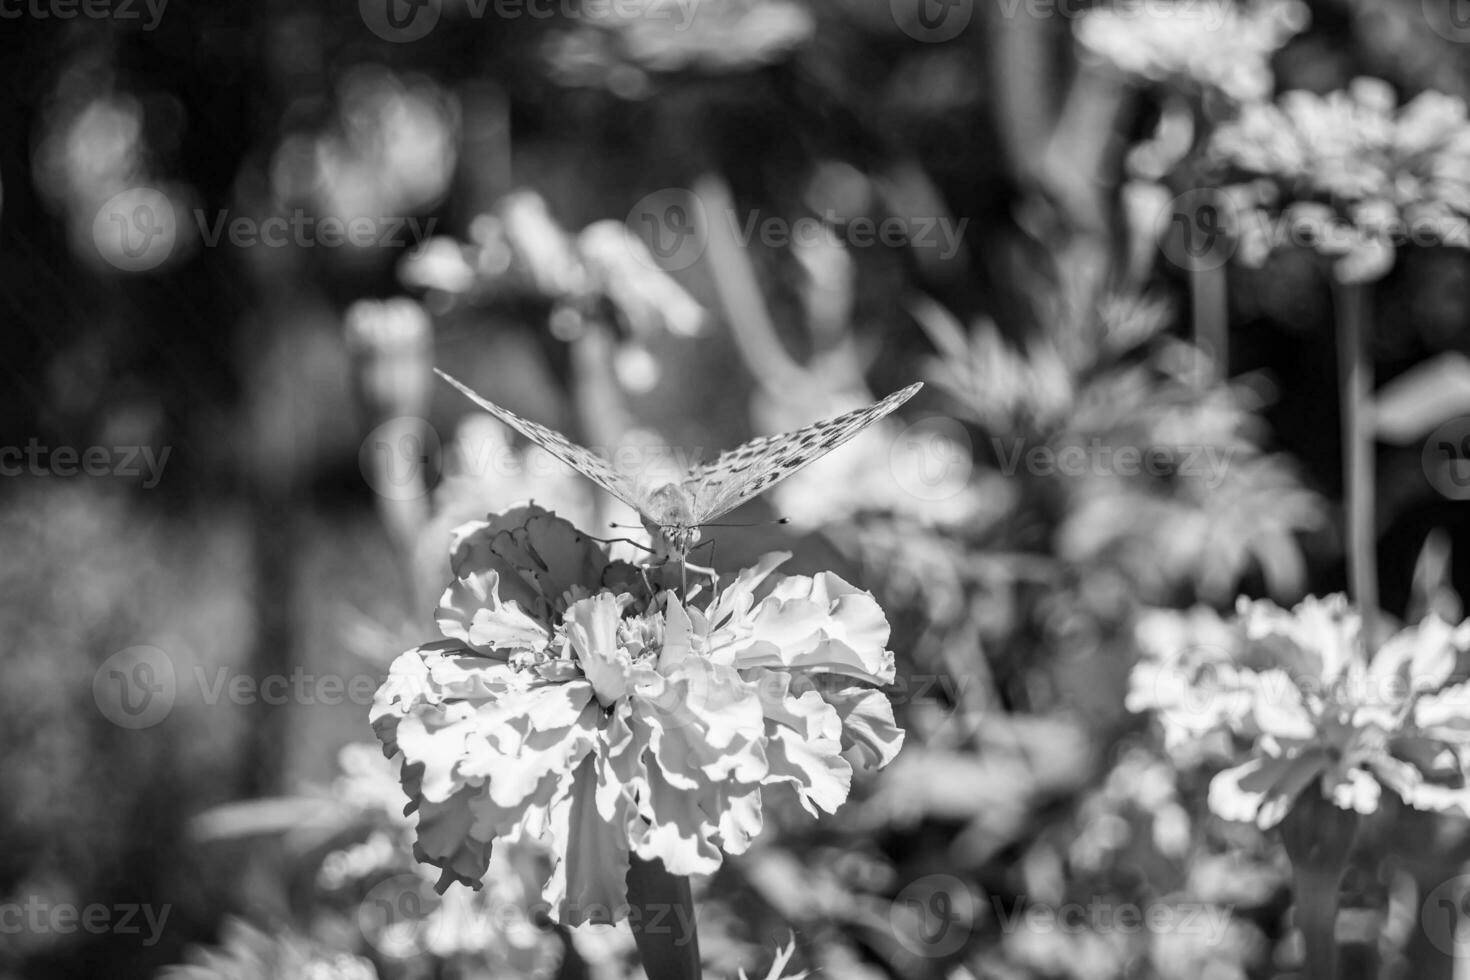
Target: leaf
pixel 273 815
pixel 783 957
pixel 1421 399
pixel 1432 590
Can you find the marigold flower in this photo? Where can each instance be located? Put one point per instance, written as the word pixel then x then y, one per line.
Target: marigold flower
pixel 1222 46
pixel 1349 174
pixel 1312 708
pixel 570 701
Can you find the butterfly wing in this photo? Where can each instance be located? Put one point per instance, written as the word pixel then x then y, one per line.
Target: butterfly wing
pixel 584 461
pixel 738 475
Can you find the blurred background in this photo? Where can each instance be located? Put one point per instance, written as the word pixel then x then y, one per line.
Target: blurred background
pixel 235 237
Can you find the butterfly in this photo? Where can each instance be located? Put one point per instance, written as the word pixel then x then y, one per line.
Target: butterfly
pixel 673 511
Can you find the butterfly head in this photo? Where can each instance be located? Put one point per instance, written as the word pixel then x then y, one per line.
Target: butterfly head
pixel 669 518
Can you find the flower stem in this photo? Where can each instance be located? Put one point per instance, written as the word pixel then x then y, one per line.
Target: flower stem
pixel 1355 384
pixel 1315 914
pixel 662 918
pixel 1318 837
pixel 1209 310
pixel 1359 929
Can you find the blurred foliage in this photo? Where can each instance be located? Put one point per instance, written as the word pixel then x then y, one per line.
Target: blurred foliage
pixel 280 540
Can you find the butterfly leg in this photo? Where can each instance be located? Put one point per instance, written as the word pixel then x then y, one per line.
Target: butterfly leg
pixel 714 576
pixel 659 561
pixel 647 583
pixel 636 544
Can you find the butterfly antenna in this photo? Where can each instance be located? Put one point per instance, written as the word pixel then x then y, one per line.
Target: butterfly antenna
pixel 779 520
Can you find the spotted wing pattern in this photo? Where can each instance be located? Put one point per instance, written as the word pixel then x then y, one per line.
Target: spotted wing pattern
pixel 558 445
pixel 718 487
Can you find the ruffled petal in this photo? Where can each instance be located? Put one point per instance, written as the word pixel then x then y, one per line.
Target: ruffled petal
pixel 543 562
pixel 1355 790
pixel 677 829
pixel 868 726
pixel 443 839
pixel 818 624
pixel 526 736
pixel 588 884
pixel 592 632
pixel 471 611
pixel 1262 790
pixel 1418 659
pixel 737 597
pixel 813 765
pixel 740 821
pixel 1277 708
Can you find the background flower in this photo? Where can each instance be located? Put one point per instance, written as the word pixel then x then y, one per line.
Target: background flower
pixel 1308 708
pixel 1349 174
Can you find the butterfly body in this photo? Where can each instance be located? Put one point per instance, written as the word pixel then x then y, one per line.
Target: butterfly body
pixel 673 511
pixel 668 517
